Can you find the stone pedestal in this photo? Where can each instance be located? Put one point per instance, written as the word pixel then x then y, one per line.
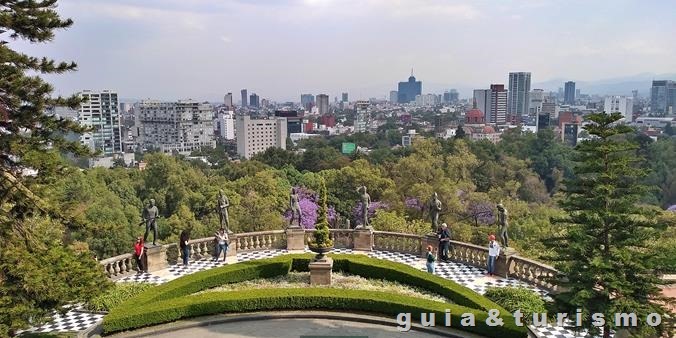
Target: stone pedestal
pixel 320 271
pixel 429 240
pixel 295 239
pixel 362 239
pixel 503 262
pixel 157 257
pixel 232 245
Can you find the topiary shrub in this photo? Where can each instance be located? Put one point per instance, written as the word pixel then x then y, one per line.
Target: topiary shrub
pixel 513 299
pixel 119 293
pixel 321 237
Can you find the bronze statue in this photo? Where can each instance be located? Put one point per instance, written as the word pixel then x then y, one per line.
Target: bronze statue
pixel 365 203
pixel 435 209
pixel 294 204
pixel 150 214
pixel 223 204
pixel 502 224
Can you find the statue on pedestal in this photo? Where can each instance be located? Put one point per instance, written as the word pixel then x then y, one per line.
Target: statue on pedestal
pixel 365 204
pixel 294 204
pixel 150 214
pixel 435 209
pixel 502 224
pixel 223 217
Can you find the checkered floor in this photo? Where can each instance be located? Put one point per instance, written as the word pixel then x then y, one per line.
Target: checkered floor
pixel 471 277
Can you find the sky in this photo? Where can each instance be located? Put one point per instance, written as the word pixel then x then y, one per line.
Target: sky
pixel 202 49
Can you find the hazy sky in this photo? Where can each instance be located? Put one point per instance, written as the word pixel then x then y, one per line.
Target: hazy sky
pixel 200 49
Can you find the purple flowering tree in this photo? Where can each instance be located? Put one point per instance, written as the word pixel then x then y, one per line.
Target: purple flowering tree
pixel 358 216
pixel 414 203
pixel 309 207
pixel 480 212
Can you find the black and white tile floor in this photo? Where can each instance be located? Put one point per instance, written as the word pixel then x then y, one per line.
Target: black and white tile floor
pixel 471 277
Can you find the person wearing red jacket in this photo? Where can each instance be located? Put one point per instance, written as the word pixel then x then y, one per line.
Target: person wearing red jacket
pixel 139 251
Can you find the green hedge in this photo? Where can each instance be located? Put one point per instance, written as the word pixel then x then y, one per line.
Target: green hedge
pixel 513 299
pixel 300 299
pixel 119 293
pixel 176 299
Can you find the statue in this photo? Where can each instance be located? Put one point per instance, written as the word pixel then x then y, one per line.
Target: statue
pixel 294 204
pixel 502 224
pixel 435 209
pixel 365 203
pixel 223 218
pixel 150 214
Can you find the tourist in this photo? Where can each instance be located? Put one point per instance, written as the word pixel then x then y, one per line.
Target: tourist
pixel 430 259
pixel 493 254
pixel 221 244
pixel 185 248
pixel 444 242
pixel 139 251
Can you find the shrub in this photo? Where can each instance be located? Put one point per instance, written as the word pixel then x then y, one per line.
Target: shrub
pixel 116 295
pixel 513 299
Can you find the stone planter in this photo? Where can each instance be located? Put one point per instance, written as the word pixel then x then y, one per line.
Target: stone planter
pixel 320 252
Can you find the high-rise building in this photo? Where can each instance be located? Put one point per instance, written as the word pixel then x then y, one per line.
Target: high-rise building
pixel 307 101
pixel 99 110
pixel 224 125
pixel 620 104
pixel 450 96
pixel 394 96
pixel 227 100
pixel 427 100
pixel 323 104
pixel 498 104
pixel 362 119
pixel 482 101
pixel 409 90
pixel 244 98
pixel 569 93
pixel 254 100
pixel 519 88
pixel 256 136
pixel 181 126
pixel 663 97
pixel 536 98
pixel 344 98
pixel 549 108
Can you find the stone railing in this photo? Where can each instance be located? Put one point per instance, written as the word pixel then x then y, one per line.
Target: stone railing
pixel 119 266
pixel 262 240
pixel 342 238
pixel 532 272
pixel 397 242
pixel 469 254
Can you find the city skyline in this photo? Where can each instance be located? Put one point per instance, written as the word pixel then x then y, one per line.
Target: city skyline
pixel 153 49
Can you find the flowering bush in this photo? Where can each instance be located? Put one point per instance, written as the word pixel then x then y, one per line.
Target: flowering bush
pixel 309 207
pixel 414 203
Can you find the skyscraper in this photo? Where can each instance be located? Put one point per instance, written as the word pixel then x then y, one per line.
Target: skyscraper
pixel 244 98
pixel 482 101
pixel 254 100
pixel 409 90
pixel 323 104
pixel 620 104
pixel 517 103
pixel 569 93
pixel 307 101
pixel 536 98
pixel 362 119
pixel 394 96
pixel 227 100
pixel 663 97
pixel 100 111
pixel 255 136
pixel 498 104
pixel 344 98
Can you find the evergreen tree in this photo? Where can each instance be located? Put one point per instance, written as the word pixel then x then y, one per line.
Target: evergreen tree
pixel 460 133
pixel 38 271
pixel 603 255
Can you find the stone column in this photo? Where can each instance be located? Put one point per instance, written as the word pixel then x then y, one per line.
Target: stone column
pixel 503 262
pixel 362 239
pixel 320 271
pixel 295 239
pixel 157 257
pixel 232 245
pixel 429 239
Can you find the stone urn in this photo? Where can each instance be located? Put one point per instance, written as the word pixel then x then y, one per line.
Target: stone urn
pixel 320 251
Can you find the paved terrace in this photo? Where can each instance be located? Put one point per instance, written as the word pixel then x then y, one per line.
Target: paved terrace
pixel 466 268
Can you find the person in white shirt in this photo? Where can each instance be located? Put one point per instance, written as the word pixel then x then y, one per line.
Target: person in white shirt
pixel 493 254
pixel 221 244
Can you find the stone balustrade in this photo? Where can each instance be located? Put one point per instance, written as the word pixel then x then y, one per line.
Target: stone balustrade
pixel 119 266
pixel 397 242
pixel 532 272
pixel 342 238
pixel 469 254
pixel 261 240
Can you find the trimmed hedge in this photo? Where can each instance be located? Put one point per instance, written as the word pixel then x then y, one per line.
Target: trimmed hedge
pixel 175 299
pixel 512 299
pixel 119 293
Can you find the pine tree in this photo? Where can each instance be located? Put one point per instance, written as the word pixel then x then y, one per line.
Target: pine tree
pixel 603 254
pixel 460 133
pixel 38 271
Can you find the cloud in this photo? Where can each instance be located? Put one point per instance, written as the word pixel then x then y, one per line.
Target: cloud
pixel 225 39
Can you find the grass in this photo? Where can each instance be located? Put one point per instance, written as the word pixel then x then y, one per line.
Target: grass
pixel 338 281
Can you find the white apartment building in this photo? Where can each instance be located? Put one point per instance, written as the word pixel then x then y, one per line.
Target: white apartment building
pixel 621 104
pixel 182 126
pixel 256 136
pixel 224 125
pixel 100 111
pixel 362 120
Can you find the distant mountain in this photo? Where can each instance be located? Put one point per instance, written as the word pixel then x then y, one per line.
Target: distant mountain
pixel 614 86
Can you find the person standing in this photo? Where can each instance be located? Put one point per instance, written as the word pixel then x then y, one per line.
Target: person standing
pixel 221 244
pixel 185 248
pixel 493 254
pixel 430 259
pixel 444 242
pixel 139 251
